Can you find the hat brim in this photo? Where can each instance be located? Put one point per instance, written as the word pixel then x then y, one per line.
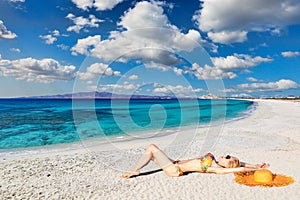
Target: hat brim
pixel 247 178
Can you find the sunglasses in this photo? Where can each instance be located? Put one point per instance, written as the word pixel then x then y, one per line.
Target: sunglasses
pixel 228 157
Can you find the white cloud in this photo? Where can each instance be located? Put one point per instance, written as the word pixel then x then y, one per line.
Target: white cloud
pixel 227 90
pixel 280 85
pixel 51 37
pixel 146 34
pixel 84 44
pixel 209 73
pixel 83 4
pixel 177 90
pixel 106 4
pixel 81 22
pixel 290 54
pixel 226 37
pixel 97 70
pixel 164 67
pixel 56 33
pixel 241 95
pixel 32 70
pixel 238 62
pixel 177 71
pixel 15 50
pixel 119 88
pixel 252 79
pixel 231 20
pixel 224 67
pixel 63 47
pixel 258 46
pixel 98 4
pixel 16 1
pixel 155 65
pixel 133 77
pixel 4 33
pixel 144 14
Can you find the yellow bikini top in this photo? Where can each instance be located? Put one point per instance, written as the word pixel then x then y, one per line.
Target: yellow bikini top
pixel 206 161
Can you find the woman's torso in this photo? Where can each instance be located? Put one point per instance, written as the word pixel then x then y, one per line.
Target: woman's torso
pixel 200 164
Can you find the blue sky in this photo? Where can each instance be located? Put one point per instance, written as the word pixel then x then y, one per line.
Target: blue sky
pixel 238 48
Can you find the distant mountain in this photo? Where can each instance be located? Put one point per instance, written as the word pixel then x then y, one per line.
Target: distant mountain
pixel 97 95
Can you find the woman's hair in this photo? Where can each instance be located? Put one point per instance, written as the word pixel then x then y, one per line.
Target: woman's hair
pixel 234 163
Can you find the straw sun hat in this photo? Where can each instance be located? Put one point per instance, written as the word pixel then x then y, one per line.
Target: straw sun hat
pixel 263 177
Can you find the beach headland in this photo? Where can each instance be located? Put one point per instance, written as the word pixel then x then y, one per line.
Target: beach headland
pixel 270 134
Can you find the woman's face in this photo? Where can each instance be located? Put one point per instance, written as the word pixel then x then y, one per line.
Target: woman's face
pixel 225 160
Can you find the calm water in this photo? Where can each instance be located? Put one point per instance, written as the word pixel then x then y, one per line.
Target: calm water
pixel 27 123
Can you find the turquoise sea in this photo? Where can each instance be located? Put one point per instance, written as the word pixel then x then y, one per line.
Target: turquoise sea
pixel 37 122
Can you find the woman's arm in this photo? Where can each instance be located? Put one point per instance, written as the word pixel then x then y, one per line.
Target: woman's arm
pixel 256 166
pixel 218 170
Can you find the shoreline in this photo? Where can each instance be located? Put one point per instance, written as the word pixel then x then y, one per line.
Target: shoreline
pixel 78 145
pixel 269 134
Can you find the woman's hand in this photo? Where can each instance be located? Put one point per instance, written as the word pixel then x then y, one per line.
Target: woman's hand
pixel 262 165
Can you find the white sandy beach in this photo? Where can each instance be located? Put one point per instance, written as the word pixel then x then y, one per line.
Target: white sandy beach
pixel 270 134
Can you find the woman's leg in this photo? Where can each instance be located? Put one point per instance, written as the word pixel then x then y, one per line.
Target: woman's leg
pixel 159 157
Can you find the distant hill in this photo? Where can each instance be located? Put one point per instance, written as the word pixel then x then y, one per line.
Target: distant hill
pixel 97 95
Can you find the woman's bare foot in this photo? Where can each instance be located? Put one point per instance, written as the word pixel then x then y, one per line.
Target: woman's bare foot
pixel 130 174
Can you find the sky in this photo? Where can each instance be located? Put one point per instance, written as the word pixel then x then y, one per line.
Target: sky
pixel 238 48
